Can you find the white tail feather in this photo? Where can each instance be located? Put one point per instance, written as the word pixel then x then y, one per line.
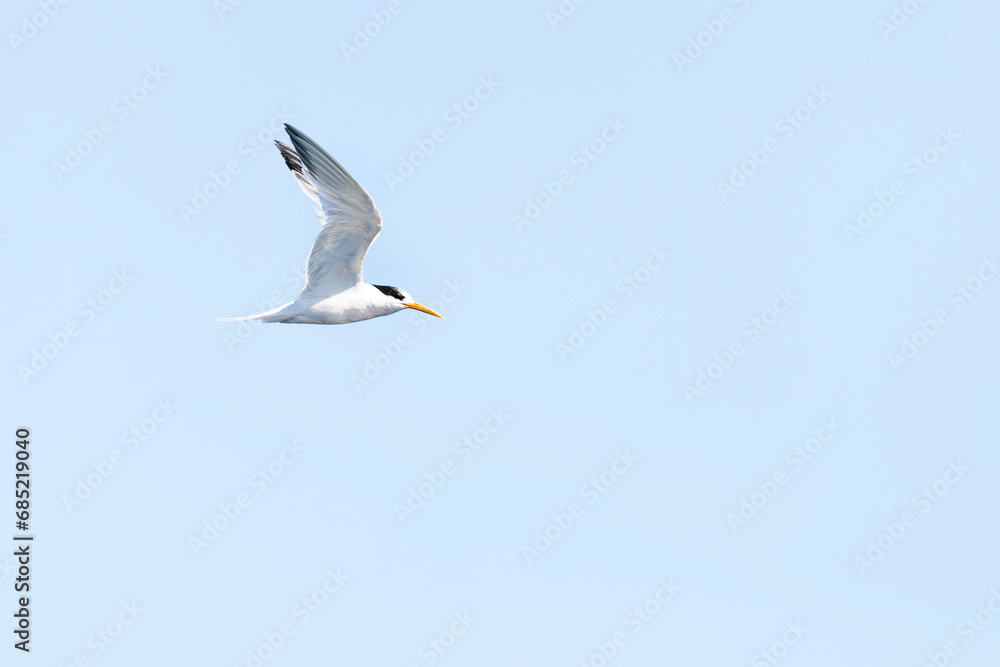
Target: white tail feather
pixel 268 316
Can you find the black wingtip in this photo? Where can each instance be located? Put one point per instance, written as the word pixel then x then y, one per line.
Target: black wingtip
pixel 292 160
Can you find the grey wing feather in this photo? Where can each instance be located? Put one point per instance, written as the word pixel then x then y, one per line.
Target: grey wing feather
pixel 350 220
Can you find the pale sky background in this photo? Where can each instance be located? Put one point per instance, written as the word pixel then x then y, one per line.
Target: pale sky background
pixel 235 397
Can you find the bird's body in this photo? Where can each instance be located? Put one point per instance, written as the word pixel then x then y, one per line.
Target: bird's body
pixel 356 303
pixel 334 291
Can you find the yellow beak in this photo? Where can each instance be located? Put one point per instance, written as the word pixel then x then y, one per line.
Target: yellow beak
pixel 422 309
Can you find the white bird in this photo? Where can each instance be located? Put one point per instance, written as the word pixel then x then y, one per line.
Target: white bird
pixel 335 292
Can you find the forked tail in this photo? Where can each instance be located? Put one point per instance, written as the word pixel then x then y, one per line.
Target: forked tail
pixel 259 316
pixel 273 315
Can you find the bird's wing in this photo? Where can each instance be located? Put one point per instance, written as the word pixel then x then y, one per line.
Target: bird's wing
pixel 350 220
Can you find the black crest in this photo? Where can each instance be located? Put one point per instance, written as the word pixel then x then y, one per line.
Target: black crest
pixel 390 291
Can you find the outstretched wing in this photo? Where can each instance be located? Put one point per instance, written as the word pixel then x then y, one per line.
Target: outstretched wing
pixel 350 220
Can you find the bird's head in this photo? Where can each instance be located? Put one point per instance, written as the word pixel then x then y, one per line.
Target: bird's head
pixel 403 300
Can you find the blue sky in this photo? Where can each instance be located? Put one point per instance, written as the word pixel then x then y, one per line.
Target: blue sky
pixel 716 382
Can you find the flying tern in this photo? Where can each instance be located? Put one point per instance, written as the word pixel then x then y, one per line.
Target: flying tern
pixel 335 292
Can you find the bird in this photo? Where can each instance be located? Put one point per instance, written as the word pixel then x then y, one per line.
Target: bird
pixel 335 292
